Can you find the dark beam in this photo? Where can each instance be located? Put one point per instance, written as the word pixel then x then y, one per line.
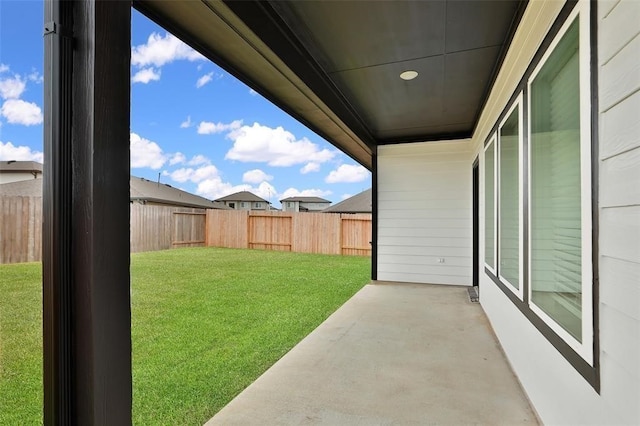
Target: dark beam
pixel 87 320
pixel 374 215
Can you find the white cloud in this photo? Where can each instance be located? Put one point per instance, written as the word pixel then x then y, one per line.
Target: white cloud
pixel 146 75
pixel 195 175
pixel 204 80
pixel 4 68
pixel 208 128
pixel 216 188
pixel 345 196
pixel 177 158
pixel 276 147
pixel 9 151
pixel 293 192
pixel 347 173
pixel 181 175
pixel 12 87
pixel 197 160
pixel 256 176
pixel 35 76
pixel 187 123
pixel 265 190
pixel 310 167
pixel 159 50
pixel 253 92
pixel 17 111
pixel 145 153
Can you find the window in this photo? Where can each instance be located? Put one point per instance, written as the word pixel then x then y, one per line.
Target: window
pixel 243 205
pixel 232 205
pixel 538 193
pixel 560 181
pixel 257 205
pixel 510 245
pixel 489 205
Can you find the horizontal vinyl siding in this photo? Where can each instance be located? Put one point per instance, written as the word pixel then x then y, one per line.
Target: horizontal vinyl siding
pixel 424 213
pixel 618 133
pixel 619 59
pixel 625 295
pixel 557 391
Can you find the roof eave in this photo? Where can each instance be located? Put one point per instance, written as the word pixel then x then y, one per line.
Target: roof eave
pixel 172 203
pixel 242 53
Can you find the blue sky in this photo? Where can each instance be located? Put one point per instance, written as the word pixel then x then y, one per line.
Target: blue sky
pixel 191 122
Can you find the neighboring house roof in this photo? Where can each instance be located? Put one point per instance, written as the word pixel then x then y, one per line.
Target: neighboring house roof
pixel 140 190
pixel 242 196
pixel 20 166
pixel 359 203
pixel 145 190
pixel 307 200
pixel 23 188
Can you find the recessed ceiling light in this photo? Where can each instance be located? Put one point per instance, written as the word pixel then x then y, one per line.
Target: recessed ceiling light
pixel 409 75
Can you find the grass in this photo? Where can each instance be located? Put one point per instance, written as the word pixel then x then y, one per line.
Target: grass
pixel 206 322
pixel 20 344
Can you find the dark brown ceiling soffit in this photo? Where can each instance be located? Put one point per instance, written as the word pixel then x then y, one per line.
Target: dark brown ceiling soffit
pixel 522 6
pixel 267 24
pixel 264 18
pixel 218 31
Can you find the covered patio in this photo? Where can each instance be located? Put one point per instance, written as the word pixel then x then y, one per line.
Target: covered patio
pixel 393 354
pixel 448 104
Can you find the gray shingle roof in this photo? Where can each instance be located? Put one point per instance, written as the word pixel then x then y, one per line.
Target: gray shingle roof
pixel 242 196
pixel 20 166
pixel 146 190
pixel 307 200
pixel 140 190
pixel 359 203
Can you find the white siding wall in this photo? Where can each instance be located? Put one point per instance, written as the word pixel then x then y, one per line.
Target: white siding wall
pixel 424 212
pixel 559 394
pixel 315 207
pixel 295 206
pixel 619 92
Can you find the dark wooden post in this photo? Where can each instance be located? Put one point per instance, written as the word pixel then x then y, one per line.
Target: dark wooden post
pixel 374 214
pixel 87 319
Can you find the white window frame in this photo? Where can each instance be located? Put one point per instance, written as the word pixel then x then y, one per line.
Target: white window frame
pixel 493 140
pixel 518 103
pixel 584 348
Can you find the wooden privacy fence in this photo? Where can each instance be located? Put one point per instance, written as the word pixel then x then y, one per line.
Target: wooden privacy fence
pixel 161 227
pixel 325 233
pixel 152 227
pixel 156 227
pixel 20 229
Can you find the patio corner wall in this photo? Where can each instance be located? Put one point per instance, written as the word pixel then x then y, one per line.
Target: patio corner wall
pixel 424 213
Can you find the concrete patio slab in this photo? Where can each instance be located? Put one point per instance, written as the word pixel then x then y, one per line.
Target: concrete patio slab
pixel 393 354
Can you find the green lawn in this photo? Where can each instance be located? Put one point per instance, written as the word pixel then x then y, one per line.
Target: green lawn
pixel 205 323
